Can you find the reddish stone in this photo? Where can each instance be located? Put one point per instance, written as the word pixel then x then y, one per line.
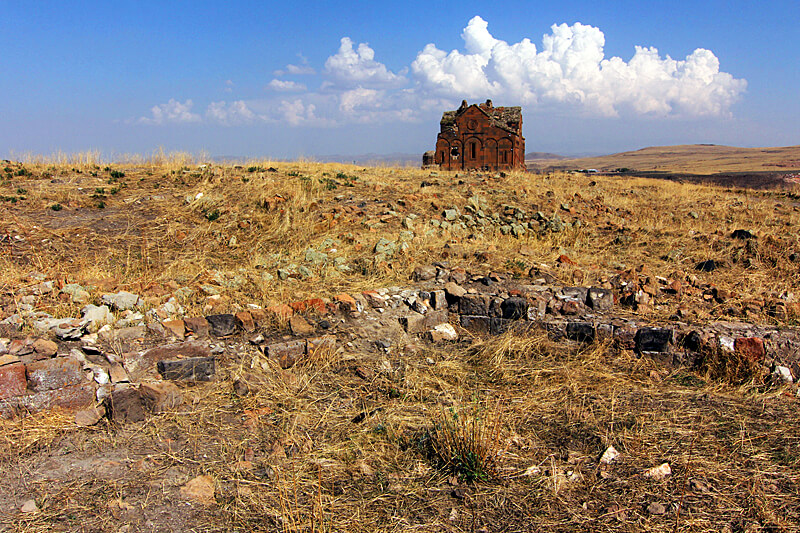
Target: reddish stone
pixel 176 351
pixel 571 307
pixel 260 316
pixel 12 380
pixel 565 260
pixel 45 348
pixel 51 374
pixel 374 299
pixel 197 325
pixel 318 305
pixel 245 319
pixel 751 348
pixel 282 311
pixel 72 398
pixel 298 307
pixel 300 326
pixel 176 327
pixel 346 302
pixel 20 347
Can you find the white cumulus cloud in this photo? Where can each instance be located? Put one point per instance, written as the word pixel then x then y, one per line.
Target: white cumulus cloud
pixel 286 86
pixel 230 113
pixel 296 112
pixel 571 71
pixel 567 73
pixel 351 67
pixel 172 111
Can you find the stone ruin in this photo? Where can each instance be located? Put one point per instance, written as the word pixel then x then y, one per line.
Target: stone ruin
pixel 479 136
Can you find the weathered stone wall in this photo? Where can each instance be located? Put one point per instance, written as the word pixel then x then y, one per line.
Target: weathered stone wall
pixel 128 369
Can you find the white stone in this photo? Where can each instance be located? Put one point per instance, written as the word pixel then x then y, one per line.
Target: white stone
pixel 95 316
pixel 609 456
pixel 726 343
pixel 658 472
pixel 784 373
pixel 29 506
pixel 444 332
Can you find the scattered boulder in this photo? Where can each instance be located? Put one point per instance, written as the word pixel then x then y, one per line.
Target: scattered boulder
pixel 197 326
pixel 29 507
pixel 136 404
pixel 89 417
pixel 443 332
pixel 96 317
pixel 424 273
pixel 300 326
pixel 222 325
pixel 176 327
pixel 121 301
pixel 45 347
pixel 77 293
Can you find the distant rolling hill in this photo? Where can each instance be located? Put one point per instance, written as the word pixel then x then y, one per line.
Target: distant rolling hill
pixel 692 158
pixel 547 156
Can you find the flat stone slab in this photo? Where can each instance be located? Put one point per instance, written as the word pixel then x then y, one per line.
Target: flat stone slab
pixel 189 369
pixel 56 373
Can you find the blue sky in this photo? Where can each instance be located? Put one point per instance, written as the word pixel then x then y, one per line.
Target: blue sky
pixel 291 79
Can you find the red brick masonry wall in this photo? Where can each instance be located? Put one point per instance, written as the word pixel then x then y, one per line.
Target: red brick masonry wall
pixel 480 136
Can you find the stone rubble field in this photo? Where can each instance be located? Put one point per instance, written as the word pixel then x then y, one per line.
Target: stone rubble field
pixel 303 347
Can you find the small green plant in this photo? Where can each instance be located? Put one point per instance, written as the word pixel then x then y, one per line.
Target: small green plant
pixel 21 191
pixel 101 205
pixel 349 181
pixel 116 174
pixel 56 207
pixel 293 173
pixel 22 172
pixel 517 267
pixel 12 199
pixel 213 215
pixel 329 183
pixel 254 169
pixel 466 443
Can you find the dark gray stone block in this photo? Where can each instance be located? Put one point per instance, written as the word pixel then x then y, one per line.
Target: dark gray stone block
pixel 190 369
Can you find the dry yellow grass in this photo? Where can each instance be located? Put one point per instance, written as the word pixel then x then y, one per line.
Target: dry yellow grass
pixel 238 225
pixel 321 448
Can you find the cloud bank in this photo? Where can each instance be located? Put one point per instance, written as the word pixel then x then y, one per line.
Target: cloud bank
pixel 567 73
